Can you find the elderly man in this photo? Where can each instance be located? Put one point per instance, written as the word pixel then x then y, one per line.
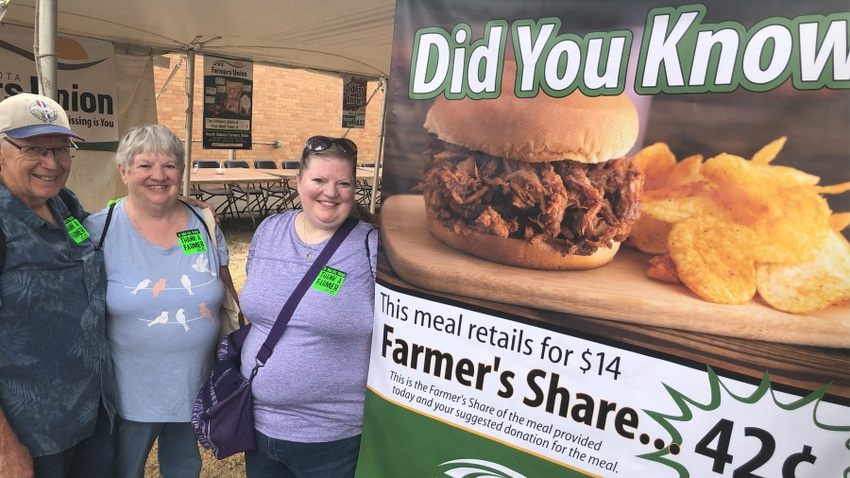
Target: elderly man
pixel 56 382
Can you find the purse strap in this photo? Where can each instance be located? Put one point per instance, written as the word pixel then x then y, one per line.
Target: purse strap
pixel 292 302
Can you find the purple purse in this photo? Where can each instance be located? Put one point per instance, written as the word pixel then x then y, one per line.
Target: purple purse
pixel 223 414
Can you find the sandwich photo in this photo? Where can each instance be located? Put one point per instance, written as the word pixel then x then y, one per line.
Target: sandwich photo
pixel 540 182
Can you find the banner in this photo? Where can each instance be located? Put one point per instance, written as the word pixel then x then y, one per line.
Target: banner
pixel 228 93
pixel 453 388
pixel 353 102
pixel 714 342
pixel 86 81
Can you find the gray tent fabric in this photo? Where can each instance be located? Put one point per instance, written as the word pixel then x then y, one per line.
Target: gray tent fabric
pixel 331 36
pixel 335 36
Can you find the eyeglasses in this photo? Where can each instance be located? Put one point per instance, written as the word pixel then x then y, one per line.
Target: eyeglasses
pixel 62 153
pixel 321 143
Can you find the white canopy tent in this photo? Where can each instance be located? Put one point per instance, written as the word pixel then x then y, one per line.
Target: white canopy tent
pixel 337 36
pixel 333 36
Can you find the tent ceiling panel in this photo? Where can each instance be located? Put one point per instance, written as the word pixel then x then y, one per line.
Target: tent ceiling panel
pixel 337 36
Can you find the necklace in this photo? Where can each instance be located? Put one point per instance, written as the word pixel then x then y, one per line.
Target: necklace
pixel 306 240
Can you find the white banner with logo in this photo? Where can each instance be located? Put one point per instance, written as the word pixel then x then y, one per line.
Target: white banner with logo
pixel 86 79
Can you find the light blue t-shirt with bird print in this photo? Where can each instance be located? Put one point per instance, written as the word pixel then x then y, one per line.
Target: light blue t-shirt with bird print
pixel 162 316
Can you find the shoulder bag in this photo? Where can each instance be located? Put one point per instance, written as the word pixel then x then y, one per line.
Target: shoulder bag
pixel 223 415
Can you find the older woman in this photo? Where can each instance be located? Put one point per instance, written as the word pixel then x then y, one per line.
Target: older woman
pixel 165 287
pixel 308 398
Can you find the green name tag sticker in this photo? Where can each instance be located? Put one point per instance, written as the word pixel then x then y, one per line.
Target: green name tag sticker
pixel 329 280
pixel 76 230
pixel 191 241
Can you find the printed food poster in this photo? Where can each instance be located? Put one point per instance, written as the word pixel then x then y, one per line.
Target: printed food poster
pixel 228 93
pixel 614 242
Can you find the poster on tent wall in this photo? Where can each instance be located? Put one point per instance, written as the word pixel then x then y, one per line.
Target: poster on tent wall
pixel 228 93
pixel 353 101
pixel 86 81
pixel 710 141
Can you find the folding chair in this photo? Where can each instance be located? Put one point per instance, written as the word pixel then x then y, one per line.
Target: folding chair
pixel 278 196
pixel 208 193
pixel 252 195
pixel 294 201
pixel 363 193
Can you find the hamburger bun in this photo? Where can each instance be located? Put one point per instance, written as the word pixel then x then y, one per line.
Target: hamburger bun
pixel 576 127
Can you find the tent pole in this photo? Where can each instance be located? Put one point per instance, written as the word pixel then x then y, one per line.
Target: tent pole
pixel 46 56
pixel 379 150
pixel 190 96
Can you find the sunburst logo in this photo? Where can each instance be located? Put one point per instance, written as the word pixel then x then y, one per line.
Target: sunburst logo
pixel 755 434
pixel 473 468
pixel 234 64
pixel 71 54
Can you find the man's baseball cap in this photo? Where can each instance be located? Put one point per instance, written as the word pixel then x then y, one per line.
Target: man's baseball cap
pixel 26 115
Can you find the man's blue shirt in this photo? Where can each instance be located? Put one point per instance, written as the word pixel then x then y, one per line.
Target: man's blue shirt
pixel 55 364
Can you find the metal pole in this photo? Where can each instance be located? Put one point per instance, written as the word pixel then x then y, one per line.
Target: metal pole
pixel 171 75
pixel 46 55
pixel 190 101
pixel 379 150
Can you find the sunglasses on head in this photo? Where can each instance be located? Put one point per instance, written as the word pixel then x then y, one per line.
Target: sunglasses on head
pixel 321 143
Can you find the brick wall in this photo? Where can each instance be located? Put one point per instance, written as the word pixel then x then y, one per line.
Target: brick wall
pixel 288 106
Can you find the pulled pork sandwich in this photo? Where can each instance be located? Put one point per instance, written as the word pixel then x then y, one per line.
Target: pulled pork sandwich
pixel 534 182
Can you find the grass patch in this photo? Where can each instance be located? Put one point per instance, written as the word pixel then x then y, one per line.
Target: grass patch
pixel 238 232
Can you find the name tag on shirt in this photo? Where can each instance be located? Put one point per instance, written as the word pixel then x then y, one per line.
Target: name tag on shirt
pixel 76 230
pixel 329 280
pixel 191 241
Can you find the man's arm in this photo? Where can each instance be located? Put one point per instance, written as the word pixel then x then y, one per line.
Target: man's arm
pixel 15 459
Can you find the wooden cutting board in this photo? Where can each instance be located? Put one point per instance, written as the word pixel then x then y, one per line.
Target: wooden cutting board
pixel 618 291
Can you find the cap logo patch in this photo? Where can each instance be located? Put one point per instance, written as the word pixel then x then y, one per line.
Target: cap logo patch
pixel 43 111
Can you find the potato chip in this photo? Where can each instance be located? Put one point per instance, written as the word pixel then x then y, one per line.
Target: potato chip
pixel 715 258
pixel 747 208
pixel 656 161
pixel 839 221
pixel 788 175
pixel 678 209
pixel 791 221
pixel 833 189
pixel 726 216
pixel 769 151
pixel 743 190
pixel 735 173
pixel 698 188
pixel 649 234
pixel 809 286
pixel 662 268
pixel 794 228
pixel 685 171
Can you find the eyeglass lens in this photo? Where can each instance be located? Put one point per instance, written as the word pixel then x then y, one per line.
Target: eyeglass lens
pixel 38 152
